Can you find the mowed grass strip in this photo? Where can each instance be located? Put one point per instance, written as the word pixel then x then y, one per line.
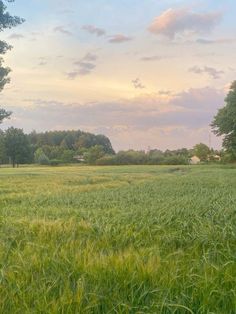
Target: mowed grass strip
pixel 135 239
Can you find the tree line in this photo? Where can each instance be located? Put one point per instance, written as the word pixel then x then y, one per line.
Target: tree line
pixel 52 147
pixel 64 147
pixel 153 157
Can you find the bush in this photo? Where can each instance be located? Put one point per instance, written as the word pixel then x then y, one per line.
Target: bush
pixel 140 158
pixel 55 162
pixel 156 160
pixel 131 157
pixel 93 154
pixel 106 160
pixel 175 160
pixel 228 158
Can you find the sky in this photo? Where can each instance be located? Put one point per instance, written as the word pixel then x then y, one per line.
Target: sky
pixel 148 74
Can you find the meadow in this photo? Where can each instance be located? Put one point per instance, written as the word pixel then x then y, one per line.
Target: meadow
pixel 130 239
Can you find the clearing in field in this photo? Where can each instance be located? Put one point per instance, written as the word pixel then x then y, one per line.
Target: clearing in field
pixel 135 239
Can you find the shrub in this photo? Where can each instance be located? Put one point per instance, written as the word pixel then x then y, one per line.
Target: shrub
pixel 106 160
pixel 55 162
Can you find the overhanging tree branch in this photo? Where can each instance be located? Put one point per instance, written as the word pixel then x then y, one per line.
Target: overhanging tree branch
pixel 6 21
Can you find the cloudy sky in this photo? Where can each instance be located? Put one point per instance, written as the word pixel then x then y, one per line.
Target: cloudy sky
pixel 145 73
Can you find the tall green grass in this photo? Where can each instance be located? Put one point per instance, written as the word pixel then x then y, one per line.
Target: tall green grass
pixel 135 239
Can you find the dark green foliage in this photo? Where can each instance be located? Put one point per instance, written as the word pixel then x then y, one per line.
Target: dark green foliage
pixel 66 147
pixel 154 157
pixel 4 71
pixel 68 156
pixel 202 151
pixel 55 143
pixel 93 154
pixel 17 146
pixel 131 157
pixel 3 156
pixel 53 147
pixel 63 146
pixel 3 113
pixel 6 21
pixel 55 162
pixel 224 122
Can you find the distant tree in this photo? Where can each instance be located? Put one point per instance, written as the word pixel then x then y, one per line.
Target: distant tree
pixel 202 151
pixel 33 138
pixel 17 146
pixel 67 156
pixel 84 141
pixel 3 156
pixel 68 141
pixel 182 152
pixel 175 160
pixel 40 157
pixel 93 154
pixel 224 122
pixel 155 157
pixel 105 143
pixel 55 142
pixel 6 21
pixel 131 157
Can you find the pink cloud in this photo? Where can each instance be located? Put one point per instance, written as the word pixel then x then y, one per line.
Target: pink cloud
pixel 175 22
pixel 119 38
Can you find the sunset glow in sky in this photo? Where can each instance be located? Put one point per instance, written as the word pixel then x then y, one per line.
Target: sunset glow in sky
pixel 146 73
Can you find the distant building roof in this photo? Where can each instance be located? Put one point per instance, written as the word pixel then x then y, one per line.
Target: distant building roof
pixel 79 157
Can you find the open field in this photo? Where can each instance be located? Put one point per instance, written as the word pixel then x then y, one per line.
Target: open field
pixel 135 239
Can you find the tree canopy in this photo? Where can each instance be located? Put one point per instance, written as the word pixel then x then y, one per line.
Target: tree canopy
pixel 69 140
pixel 52 147
pixel 224 122
pixel 17 146
pixel 202 151
pixel 6 21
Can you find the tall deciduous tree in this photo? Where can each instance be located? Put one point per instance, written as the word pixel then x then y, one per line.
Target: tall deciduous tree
pixel 17 146
pixel 224 122
pixel 202 151
pixel 6 21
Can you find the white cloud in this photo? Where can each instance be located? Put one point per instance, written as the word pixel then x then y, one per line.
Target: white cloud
pixel 94 30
